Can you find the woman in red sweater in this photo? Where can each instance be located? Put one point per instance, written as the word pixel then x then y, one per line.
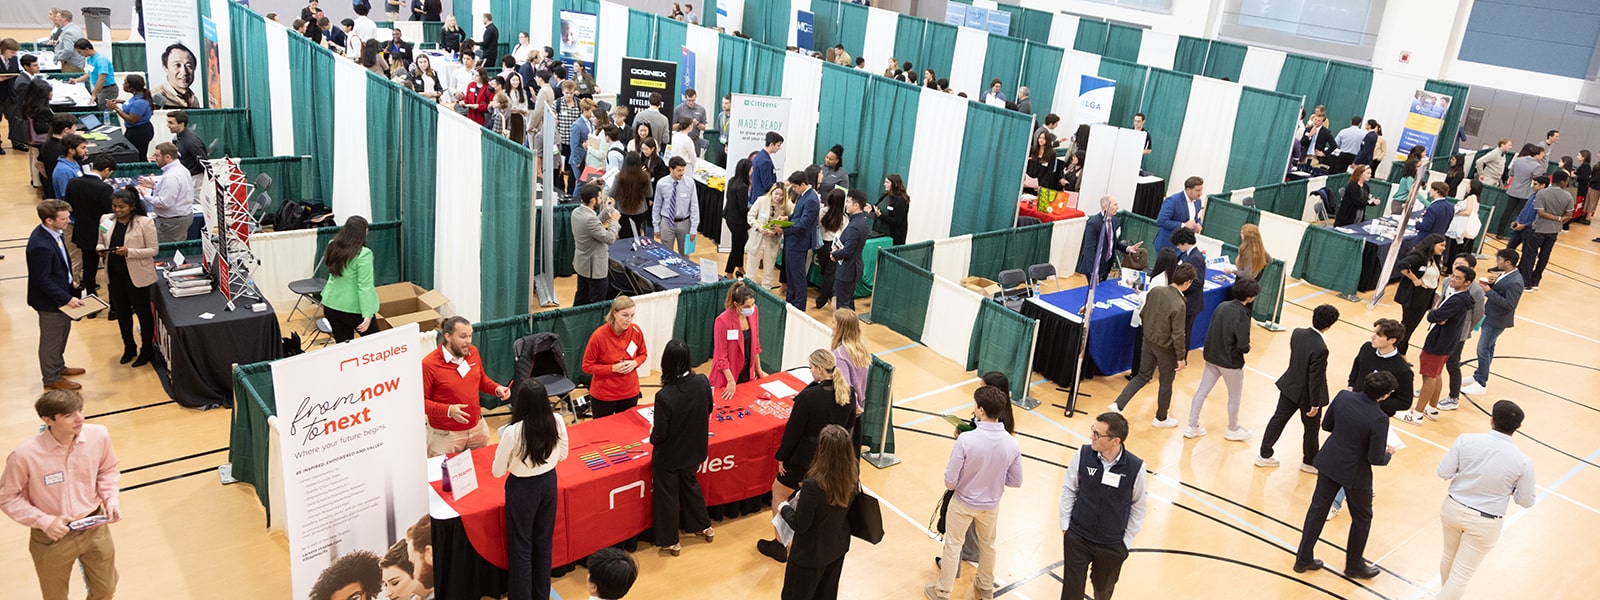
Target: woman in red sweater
pixel 736 341
pixel 478 96
pixel 612 359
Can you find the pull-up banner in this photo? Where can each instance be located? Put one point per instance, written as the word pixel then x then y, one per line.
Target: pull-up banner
pixel 1424 121
pixel 642 77
pixel 1094 99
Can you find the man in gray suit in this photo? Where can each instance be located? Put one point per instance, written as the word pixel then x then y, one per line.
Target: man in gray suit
pixel 593 233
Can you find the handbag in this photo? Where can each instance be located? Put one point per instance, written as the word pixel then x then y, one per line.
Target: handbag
pixel 1137 259
pixel 940 511
pixel 865 517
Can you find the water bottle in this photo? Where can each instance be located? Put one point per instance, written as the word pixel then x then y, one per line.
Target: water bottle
pixel 445 466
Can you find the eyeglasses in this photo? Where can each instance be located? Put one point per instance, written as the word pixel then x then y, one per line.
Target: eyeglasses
pixel 1095 435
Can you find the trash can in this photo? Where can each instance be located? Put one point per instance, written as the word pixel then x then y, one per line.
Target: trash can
pixel 96 19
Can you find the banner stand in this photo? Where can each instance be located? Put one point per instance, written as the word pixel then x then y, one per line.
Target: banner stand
pixel 881 459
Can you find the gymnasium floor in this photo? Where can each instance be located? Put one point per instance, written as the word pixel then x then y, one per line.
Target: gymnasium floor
pixel 1217 526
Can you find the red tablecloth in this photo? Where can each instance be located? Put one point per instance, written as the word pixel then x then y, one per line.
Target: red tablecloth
pixel 598 508
pixel 1028 208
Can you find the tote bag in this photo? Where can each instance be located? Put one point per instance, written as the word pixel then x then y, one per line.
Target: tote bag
pixel 865 518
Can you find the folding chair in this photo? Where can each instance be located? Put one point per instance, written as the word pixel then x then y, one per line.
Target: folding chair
pixel 1040 272
pixel 539 357
pixel 308 289
pixel 1013 288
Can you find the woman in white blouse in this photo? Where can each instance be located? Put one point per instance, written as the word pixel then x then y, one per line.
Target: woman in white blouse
pixel 683 145
pixel 530 446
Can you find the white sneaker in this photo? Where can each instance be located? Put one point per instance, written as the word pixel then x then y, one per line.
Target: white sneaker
pixel 1305 468
pixel 1416 393
pixel 1237 435
pixel 1114 408
pixel 1193 432
pixel 1332 512
pixel 1262 461
pixel 1449 404
pixel 1412 417
pixel 1170 423
pixel 1431 413
pixel 1474 388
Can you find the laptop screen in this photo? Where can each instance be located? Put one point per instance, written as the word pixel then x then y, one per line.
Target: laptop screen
pixel 90 122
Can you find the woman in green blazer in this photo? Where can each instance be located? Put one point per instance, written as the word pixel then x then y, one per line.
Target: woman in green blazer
pixel 349 300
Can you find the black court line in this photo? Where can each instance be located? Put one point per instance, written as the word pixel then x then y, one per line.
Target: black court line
pixel 1535 440
pixel 1027 435
pixel 131 409
pixel 1569 270
pixel 952 438
pixel 1474 360
pixel 173 460
pixel 130 488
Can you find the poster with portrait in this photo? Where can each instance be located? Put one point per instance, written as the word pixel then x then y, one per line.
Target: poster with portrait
pixel 1423 121
pixel 213 54
pixel 354 466
pixel 577 38
pixel 172 52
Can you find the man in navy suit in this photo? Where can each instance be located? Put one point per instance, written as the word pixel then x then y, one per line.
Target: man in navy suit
pixel 1100 235
pixel 1180 211
pixel 1436 218
pixel 764 174
pixel 847 252
pixel 1194 298
pixel 49 289
pixel 1358 435
pixel 800 238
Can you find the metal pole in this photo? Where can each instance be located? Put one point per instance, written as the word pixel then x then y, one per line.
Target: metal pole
pixel 1088 312
pixel 544 282
pixel 880 459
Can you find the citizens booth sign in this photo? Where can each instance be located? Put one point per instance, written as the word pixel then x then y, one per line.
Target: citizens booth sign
pixel 641 77
pixel 350 429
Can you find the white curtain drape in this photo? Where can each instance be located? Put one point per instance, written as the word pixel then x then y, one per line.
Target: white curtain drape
pixel 352 192
pixel 282 99
pixel 1282 236
pixel 703 43
pixel 966 68
pixel 1389 103
pixel 802 85
pixel 1262 67
pixel 1238 196
pixel 1207 138
pixel 1309 212
pixel 801 335
pixel 219 14
pixel 952 257
pixel 1074 66
pixel 285 256
pixel 655 314
pixel 612 46
pixel 457 217
pixel 541 24
pixel 952 311
pixel 935 163
pixel 879 47
pixel 1066 243
pixel 1158 49
pixel 508 31
pixel 1064 31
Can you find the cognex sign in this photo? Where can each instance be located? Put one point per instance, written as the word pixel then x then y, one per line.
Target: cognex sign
pixel 641 77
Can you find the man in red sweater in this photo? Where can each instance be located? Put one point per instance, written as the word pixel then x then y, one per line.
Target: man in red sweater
pixel 452 377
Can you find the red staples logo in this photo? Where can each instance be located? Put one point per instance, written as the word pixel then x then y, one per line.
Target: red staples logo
pixel 714 465
pixel 372 357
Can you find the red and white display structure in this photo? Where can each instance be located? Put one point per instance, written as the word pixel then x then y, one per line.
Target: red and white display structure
pixel 228 227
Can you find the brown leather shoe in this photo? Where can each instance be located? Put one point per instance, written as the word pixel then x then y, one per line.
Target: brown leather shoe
pixel 72 372
pixel 63 384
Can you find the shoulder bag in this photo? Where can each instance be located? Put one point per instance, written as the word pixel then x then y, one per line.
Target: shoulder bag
pixel 865 517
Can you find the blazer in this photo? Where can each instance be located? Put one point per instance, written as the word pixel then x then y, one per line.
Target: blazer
pixel 1369 143
pixel 1500 300
pixel 1436 218
pixel 682 413
pixel 1358 436
pixel 763 175
pixel 1171 217
pixel 1092 232
pixel 140 240
pixel 90 198
pixel 49 273
pixel 727 346
pixel 821 530
pixel 1322 140
pixel 814 408
pixel 593 237
pixel 1306 380
pixel 1352 205
pixel 892 212
pixel 1194 300
pixel 803 235
pixel 851 242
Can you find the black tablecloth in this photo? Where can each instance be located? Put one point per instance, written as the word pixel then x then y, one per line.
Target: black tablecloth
pixel 710 211
pixel 628 273
pixel 201 353
pixel 1059 341
pixel 1376 248
pixel 1147 198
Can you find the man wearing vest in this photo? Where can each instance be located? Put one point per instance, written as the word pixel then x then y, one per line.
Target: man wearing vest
pixel 1102 508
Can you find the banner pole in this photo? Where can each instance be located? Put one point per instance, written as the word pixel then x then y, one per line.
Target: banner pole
pixel 880 459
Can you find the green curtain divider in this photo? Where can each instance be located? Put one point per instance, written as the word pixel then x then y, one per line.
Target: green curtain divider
pixel 1139 228
pixel 1496 198
pixel 311 86
pixel 1018 248
pixel 768 21
pixel 166 250
pixel 745 67
pixel 671 35
pixel 1336 183
pixel 1225 60
pixel 1122 42
pixel 383 147
pixel 852 28
pixel 909 32
pixel 1379 189
pixel 1029 24
pixel 1344 92
pixel 419 127
pixel 842 114
pixel 1039 73
pixel 494 338
pixel 510 17
pixel 1303 76
pixel 766 70
pixel 128 57
pixel 825 24
pixel 1003 61
pixel 641 34
pixel 1002 340
pixel 1292 199
pixel 1166 101
pixel 919 254
pixel 228 128
pixel 1265 121
pixel 698 307
pixel 563 243
pixel 507 226
pixel 462 9
pixel 1191 55
pixel 887 134
pixel 1130 78
pixel 991 169
pixel 879 407
pixel 432 31
pixel 900 299
pixel 249 436
pixel 1327 259
pixel 1225 218
pixel 1452 116
pixel 252 78
pixel 1271 299
pixel 1266 198
pixel 774 325
pixel 1091 36
pixel 384 241
pixel 938 48
pixel 869 264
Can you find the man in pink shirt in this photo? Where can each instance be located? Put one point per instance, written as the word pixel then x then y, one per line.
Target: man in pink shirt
pixel 53 483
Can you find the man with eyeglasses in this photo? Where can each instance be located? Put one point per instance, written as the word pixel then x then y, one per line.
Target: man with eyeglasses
pixel 1102 508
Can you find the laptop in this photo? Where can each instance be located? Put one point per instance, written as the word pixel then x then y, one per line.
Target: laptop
pixel 661 271
pixel 90 122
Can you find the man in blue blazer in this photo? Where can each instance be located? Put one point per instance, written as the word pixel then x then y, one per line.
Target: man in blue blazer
pixel 1100 237
pixel 49 289
pixel 1436 218
pixel 1180 210
pixel 847 251
pixel 763 173
pixel 801 238
pixel 1358 438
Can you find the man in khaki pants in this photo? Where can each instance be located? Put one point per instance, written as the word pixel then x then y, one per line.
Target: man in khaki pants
pixel 452 377
pixel 1486 470
pixel 52 483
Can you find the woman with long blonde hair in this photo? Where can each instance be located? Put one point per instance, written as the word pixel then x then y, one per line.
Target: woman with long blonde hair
pixel 762 249
pixel 825 401
pixel 1253 257
pixel 853 359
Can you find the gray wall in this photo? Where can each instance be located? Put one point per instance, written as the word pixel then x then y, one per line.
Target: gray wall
pixel 1556 37
pixel 35 14
pixel 1526 118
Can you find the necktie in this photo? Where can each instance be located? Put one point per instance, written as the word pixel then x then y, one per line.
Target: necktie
pixel 65 259
pixel 672 203
pixel 1106 245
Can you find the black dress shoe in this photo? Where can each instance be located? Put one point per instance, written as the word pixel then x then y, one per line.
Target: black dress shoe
pixel 144 359
pixel 129 355
pixel 773 549
pixel 1365 571
pixel 1316 564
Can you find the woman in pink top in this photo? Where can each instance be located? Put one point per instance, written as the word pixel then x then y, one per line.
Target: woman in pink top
pixel 736 341
pixel 853 360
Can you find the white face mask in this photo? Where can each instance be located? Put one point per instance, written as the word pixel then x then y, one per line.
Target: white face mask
pixel 747 311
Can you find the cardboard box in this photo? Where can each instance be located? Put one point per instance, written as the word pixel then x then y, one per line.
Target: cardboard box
pixel 406 302
pixel 988 288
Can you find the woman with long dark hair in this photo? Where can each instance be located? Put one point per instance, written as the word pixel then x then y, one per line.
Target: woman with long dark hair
pixel 1421 271
pixel 682 412
pixel 632 194
pixel 819 515
pixel 1072 173
pixel 135 112
pixel 1043 166
pixel 350 299
pixel 479 96
pixel 826 401
pixel 372 58
pixel 736 213
pixel 831 225
pixel 1582 178
pixel 892 207
pixel 128 240
pixel 530 446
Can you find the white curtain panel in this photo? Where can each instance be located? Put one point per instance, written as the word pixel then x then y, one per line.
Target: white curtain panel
pixel 952 257
pixel 1261 67
pixel 352 192
pixel 613 45
pixel 1238 196
pixel 285 256
pixel 1390 102
pixel 508 31
pixel 802 335
pixel 282 99
pixel 541 21
pixel 879 47
pixel 1063 30
pixel 702 42
pixel 162 135
pixel 935 163
pixel 1066 243
pixel 1309 212
pixel 1210 246
pixel 966 68
pixel 802 85
pixel 1282 238
pixel 1207 138
pixel 219 14
pixel 1158 49
pixel 458 223
pixel 952 311
pixel 1074 66
pixel 655 314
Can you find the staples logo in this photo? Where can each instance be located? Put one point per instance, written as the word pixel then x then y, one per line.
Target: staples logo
pixel 714 465
pixel 637 484
pixel 372 357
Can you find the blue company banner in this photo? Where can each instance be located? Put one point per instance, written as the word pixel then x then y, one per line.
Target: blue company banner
pixel 956 14
pixel 1094 99
pixel 999 22
pixel 686 69
pixel 802 30
pixel 1424 121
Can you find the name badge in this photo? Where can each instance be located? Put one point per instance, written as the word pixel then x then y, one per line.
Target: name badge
pixel 1111 479
pixel 733 335
pixel 463 368
pixel 633 349
pixel 55 478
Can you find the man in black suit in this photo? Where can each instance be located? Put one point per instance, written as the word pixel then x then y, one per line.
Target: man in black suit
pixel 1194 298
pixel 489 49
pixel 90 198
pixel 1303 389
pixel 1100 240
pixel 49 289
pixel 10 100
pixel 847 256
pixel 1358 439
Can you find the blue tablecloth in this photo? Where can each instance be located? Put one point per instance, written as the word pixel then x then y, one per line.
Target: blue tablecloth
pixel 634 262
pixel 1111 332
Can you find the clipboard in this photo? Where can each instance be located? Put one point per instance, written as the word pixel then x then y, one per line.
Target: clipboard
pixel 90 305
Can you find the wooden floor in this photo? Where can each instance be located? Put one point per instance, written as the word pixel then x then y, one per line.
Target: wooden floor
pixel 1217 526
